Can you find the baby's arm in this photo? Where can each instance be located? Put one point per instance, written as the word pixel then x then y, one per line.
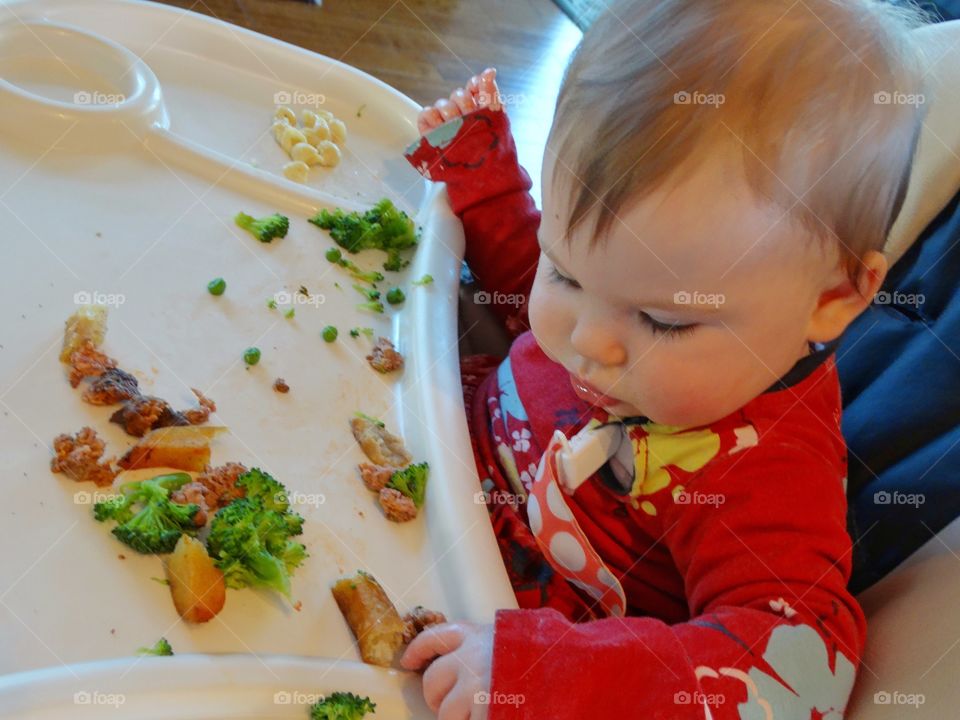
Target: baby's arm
pixel 773 630
pixel 468 146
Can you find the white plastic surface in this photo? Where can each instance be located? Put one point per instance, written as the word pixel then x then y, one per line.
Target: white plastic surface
pixel 203 687
pixel 135 200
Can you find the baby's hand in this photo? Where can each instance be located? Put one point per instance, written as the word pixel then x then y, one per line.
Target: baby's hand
pixel 457 683
pixel 481 91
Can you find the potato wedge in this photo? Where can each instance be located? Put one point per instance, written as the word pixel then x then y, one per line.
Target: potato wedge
pixel 184 447
pixel 371 616
pixel 196 585
pixel 87 323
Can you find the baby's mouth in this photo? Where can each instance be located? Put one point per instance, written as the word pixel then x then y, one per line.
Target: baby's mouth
pixel 586 391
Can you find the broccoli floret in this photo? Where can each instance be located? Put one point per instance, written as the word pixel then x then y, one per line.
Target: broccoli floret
pixel 411 481
pixel 160 648
pixel 342 706
pixel 373 306
pixel 425 280
pixel 266 228
pixel 383 227
pixel 148 520
pixel 369 276
pixel 263 487
pixel 368 293
pixel 251 545
pixel 372 276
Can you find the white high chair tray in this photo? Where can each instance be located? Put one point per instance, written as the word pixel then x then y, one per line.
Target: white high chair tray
pixel 132 202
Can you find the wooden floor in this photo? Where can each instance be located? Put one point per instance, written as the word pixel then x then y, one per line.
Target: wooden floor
pixel 426 48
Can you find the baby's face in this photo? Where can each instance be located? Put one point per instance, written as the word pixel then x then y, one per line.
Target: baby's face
pixel 699 300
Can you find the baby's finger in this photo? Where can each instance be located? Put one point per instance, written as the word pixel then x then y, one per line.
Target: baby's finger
pixel 438 680
pixel 488 91
pixel 447 109
pixel 434 641
pixel 464 101
pixel 428 119
pixel 456 705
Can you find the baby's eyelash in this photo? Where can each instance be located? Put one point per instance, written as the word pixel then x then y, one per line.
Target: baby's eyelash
pixel 657 328
pixel 670 330
pixel 555 276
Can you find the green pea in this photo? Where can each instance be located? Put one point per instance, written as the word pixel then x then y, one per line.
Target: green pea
pixel 333 255
pixel 329 333
pixel 395 296
pixel 217 286
pixel 251 356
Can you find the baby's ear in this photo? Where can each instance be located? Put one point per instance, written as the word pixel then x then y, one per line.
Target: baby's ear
pixel 841 303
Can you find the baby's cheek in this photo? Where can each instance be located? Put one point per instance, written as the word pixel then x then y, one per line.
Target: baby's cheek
pixel 546 320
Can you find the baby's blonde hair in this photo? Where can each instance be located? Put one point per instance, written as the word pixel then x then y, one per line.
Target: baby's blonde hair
pixel 822 98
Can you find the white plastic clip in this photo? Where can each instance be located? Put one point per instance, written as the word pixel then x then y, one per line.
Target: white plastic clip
pixel 585 453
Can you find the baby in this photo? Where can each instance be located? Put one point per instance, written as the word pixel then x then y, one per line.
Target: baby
pixel 719 182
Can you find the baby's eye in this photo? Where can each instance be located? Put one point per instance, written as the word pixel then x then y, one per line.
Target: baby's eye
pixel 670 329
pixel 555 276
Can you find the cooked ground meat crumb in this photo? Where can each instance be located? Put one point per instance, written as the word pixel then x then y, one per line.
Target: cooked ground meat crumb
pixel 397 506
pixel 112 387
pixel 375 477
pixel 87 361
pixel 418 620
pixel 79 457
pixel 384 356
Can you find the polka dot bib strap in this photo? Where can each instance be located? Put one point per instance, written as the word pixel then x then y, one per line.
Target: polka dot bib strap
pixel 557 531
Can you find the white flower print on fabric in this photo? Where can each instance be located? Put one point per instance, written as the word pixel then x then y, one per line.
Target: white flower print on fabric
pixel 521 440
pixel 782 606
pixel 527 476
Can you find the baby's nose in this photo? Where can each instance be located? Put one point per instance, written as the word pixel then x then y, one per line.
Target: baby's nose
pixel 598 341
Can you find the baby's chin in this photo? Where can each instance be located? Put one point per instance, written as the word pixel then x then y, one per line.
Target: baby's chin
pixel 623 409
